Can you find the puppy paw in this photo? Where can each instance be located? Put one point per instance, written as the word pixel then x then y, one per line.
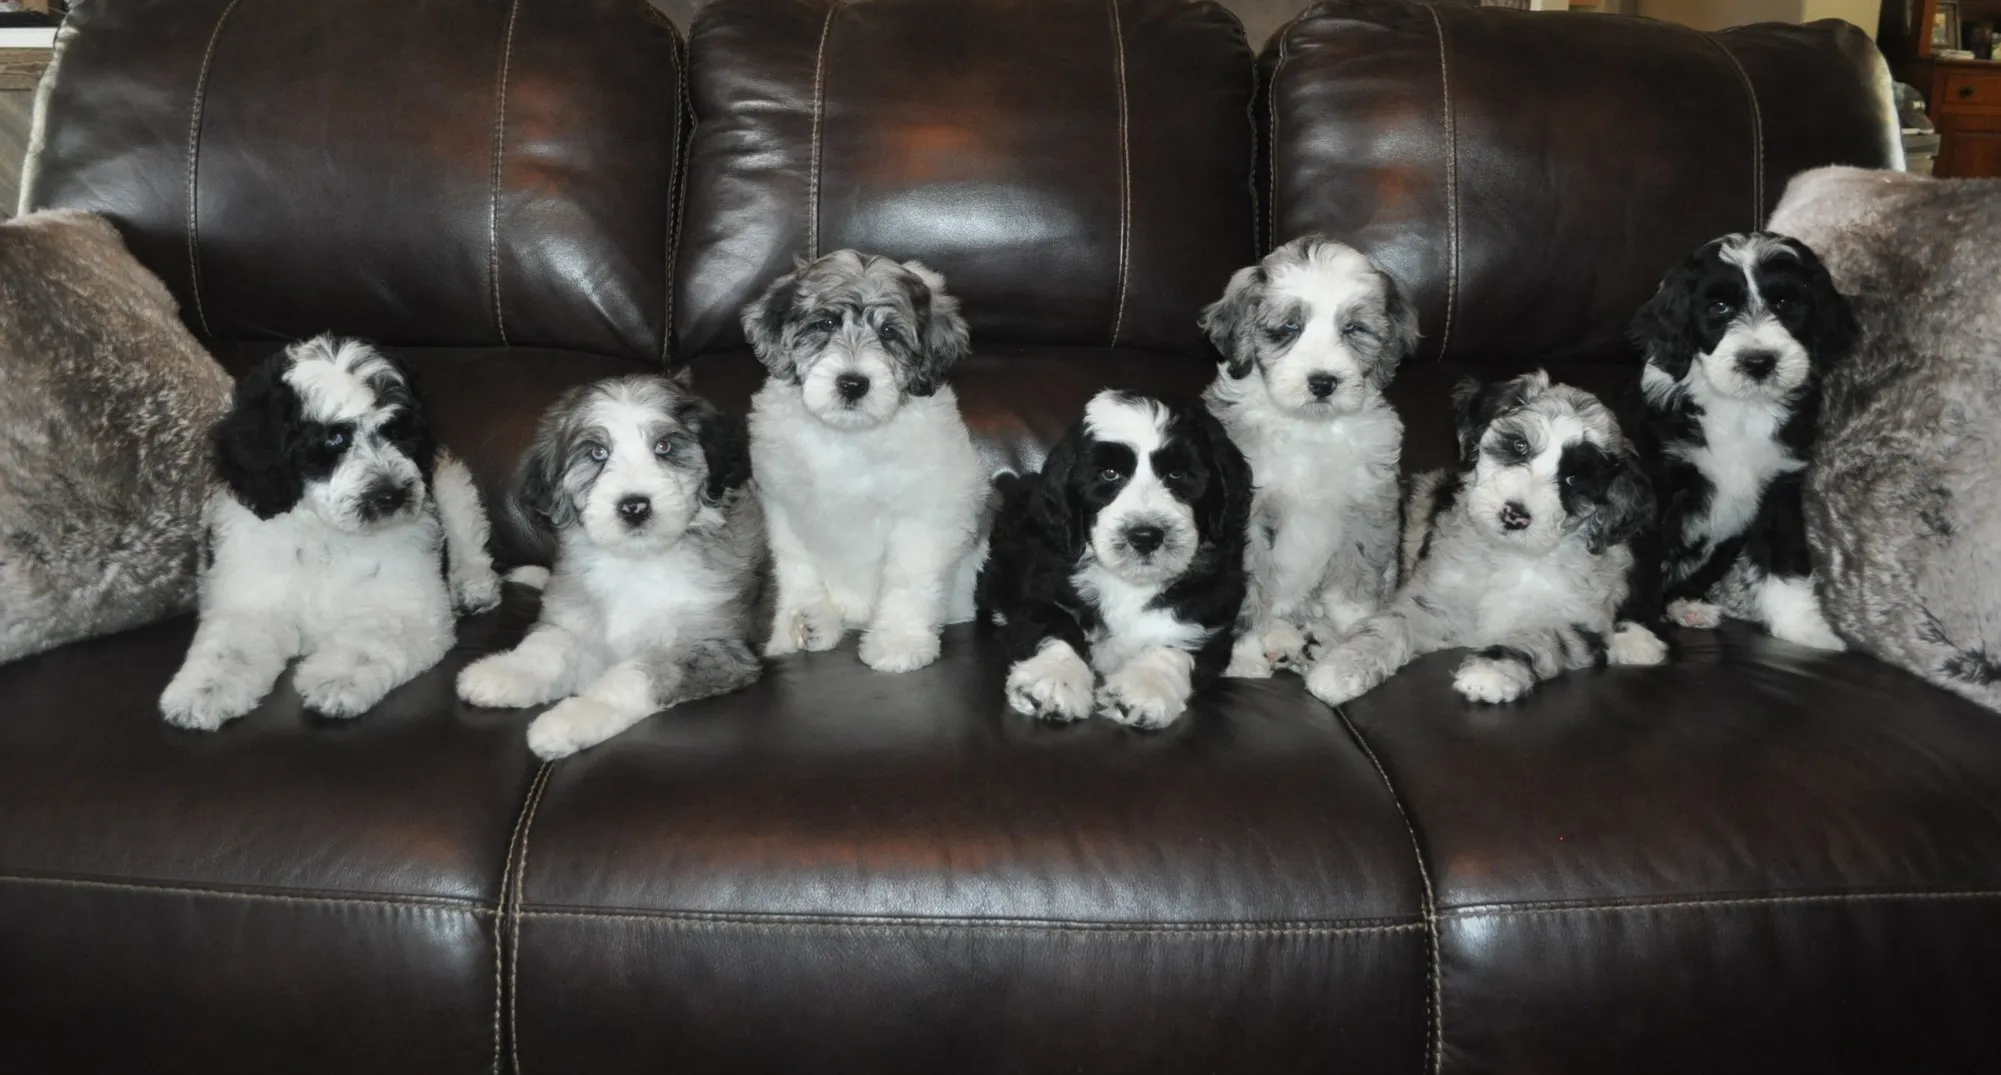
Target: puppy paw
pixel 812 629
pixel 475 590
pixel 1248 660
pixel 1142 695
pixel 1483 679
pixel 1055 684
pixel 495 682
pixel 887 650
pixel 1815 633
pixel 1633 644
pixel 1335 679
pixel 1700 615
pixel 569 726
pixel 1286 645
pixel 205 703
pixel 342 685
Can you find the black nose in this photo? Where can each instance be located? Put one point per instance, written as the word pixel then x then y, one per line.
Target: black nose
pixel 634 509
pixel 1145 539
pixel 852 386
pixel 1514 515
pixel 384 500
pixel 1322 385
pixel 1757 365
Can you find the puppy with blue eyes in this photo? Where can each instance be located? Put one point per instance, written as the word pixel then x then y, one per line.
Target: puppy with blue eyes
pixel 1522 553
pixel 339 533
pixel 645 491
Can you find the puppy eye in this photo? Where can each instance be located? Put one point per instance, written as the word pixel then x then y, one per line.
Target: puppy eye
pixel 336 439
pixel 1109 474
pixel 1356 328
pixel 1719 307
pixel 890 334
pixel 1782 305
pixel 663 447
pixel 1175 475
pixel 1518 447
pixel 599 453
pixel 824 323
pixel 1570 480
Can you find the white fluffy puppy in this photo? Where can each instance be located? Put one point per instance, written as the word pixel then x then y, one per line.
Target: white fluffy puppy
pixel 1323 329
pixel 872 488
pixel 340 533
pixel 644 487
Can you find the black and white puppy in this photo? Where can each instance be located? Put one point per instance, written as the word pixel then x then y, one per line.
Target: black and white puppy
pixel 1310 338
pixel 1123 557
pixel 339 533
pixel 645 489
pixel 1736 342
pixel 872 488
pixel 1520 554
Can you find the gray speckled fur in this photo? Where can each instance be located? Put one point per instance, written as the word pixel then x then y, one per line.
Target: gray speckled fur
pixel 1902 504
pixel 106 403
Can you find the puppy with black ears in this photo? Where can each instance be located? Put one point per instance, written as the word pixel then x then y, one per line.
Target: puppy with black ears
pixel 873 491
pixel 645 490
pixel 339 532
pixel 1522 553
pixel 1310 338
pixel 1736 342
pixel 1123 558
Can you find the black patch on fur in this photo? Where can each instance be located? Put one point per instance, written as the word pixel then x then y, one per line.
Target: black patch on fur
pixel 1594 642
pixel 725 441
pixel 1608 490
pixel 1975 666
pixel 1510 654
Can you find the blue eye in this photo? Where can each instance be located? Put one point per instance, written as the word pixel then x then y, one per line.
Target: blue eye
pixel 336 439
pixel 663 448
pixel 599 453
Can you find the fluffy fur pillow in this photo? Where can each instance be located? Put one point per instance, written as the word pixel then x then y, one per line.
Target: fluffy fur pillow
pixel 106 403
pixel 1903 507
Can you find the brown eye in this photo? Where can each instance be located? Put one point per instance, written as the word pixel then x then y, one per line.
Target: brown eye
pixel 1108 474
pixel 663 448
pixel 1175 475
pixel 1518 447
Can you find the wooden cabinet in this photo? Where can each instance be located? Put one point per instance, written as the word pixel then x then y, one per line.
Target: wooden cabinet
pixel 1962 96
pixel 1969 147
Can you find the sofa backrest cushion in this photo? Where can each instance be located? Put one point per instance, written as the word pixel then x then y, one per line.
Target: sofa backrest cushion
pixel 462 172
pixel 1080 171
pixel 1529 176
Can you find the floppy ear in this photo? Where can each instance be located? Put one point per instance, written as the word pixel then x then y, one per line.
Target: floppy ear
pixel 1230 320
pixel 1663 330
pixel 1628 507
pixel 540 504
pixel 1476 405
pixel 941 330
pixel 1403 334
pixel 1050 508
pixel 1835 329
pixel 1227 507
pixel 257 442
pixel 725 442
pixel 412 430
pixel 764 320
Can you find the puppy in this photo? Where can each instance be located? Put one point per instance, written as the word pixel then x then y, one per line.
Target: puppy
pixel 872 488
pixel 1521 553
pixel 339 533
pixel 1736 342
pixel 1323 330
pixel 645 490
pixel 1125 556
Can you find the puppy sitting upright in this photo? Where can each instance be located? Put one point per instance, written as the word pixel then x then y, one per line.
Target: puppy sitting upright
pixel 341 533
pixel 1323 329
pixel 872 488
pixel 1127 551
pixel 1736 342
pixel 1521 554
pixel 659 545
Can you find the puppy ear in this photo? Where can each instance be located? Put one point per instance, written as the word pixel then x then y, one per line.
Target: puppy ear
pixel 1836 332
pixel 1231 320
pixel 1403 334
pixel 411 431
pixel 540 504
pixel 1050 507
pixel 725 442
pixel 764 320
pixel 941 330
pixel 1476 405
pixel 1227 506
pixel 1628 506
pixel 257 443
pixel 1663 330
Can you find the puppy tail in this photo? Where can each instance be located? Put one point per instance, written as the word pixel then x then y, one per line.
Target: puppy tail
pixel 529 575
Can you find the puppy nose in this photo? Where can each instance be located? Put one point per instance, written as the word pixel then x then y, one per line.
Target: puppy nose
pixel 385 500
pixel 1145 539
pixel 852 386
pixel 634 509
pixel 1322 385
pixel 1757 365
pixel 1514 515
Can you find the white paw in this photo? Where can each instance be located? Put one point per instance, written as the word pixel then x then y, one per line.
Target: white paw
pixel 1248 660
pixel 569 726
pixel 813 629
pixel 1633 644
pixel 1335 679
pixel 1700 615
pixel 898 651
pixel 1285 644
pixel 1793 613
pixel 337 684
pixel 1055 684
pixel 1144 694
pixel 1483 679
pixel 530 575
pixel 206 703
pixel 1817 635
pixel 475 590
pixel 495 682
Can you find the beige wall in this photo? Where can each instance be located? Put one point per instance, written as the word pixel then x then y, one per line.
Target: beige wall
pixel 1717 14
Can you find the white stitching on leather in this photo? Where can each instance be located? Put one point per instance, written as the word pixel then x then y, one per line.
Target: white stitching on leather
pixel 194 163
pixel 1525 909
pixel 506 886
pixel 819 117
pixel 1451 186
pixel 1125 173
pixel 514 913
pixel 1434 1001
pixel 405 903
pixel 692 919
pixel 683 151
pixel 1757 135
pixel 1271 154
pixel 499 155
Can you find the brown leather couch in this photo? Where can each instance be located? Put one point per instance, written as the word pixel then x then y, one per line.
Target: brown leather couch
pixel 1756 859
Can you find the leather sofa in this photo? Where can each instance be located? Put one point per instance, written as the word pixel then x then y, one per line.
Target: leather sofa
pixel 1755 859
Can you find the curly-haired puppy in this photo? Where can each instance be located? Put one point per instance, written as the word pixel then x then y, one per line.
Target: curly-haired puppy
pixel 1521 553
pixel 1124 557
pixel 341 534
pixel 1736 341
pixel 1310 338
pixel 872 487
pixel 645 489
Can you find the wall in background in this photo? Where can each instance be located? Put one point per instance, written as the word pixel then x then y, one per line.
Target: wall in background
pixel 1717 14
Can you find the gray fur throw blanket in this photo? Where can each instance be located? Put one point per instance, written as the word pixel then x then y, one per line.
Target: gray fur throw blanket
pixel 106 403
pixel 1903 503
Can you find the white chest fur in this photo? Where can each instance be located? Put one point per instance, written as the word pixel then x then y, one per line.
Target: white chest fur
pixel 1740 457
pixel 1127 625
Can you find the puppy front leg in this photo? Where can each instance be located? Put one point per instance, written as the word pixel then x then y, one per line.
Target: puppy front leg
pixel 369 656
pixel 1048 678
pixel 1151 690
pixel 803 617
pixel 1511 669
pixel 638 688
pixel 542 668
pixel 1361 575
pixel 1379 646
pixel 235 658
pixel 918 566
pixel 1251 657
pixel 468 565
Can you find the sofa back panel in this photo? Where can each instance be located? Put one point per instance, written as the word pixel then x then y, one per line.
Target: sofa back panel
pixel 467 172
pixel 1529 176
pixel 1080 172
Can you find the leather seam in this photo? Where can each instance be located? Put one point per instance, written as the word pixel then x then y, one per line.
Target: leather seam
pixel 684 110
pixel 1451 185
pixel 513 913
pixel 1829 898
pixel 1757 133
pixel 499 932
pixel 499 156
pixel 194 163
pixel 1434 999
pixel 440 903
pixel 819 120
pixel 975 925
pixel 1125 172
pixel 1271 110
